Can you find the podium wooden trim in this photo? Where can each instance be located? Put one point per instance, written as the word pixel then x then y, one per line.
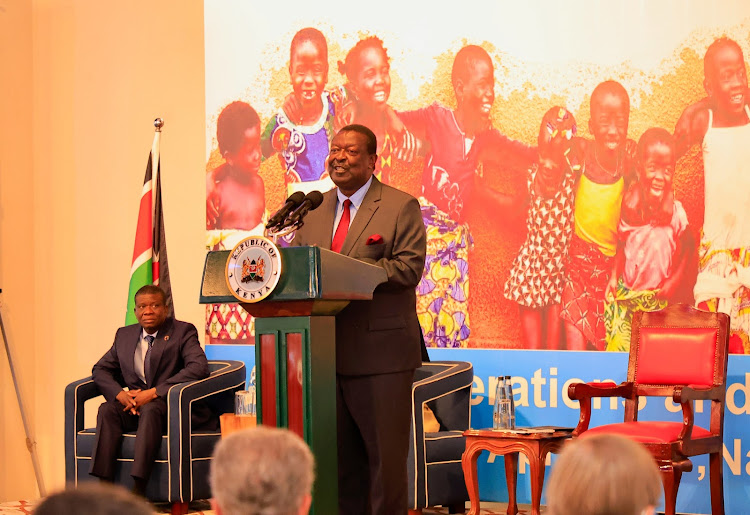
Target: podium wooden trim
pixel 295 347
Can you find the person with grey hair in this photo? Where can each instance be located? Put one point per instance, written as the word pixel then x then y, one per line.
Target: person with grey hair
pixel 604 474
pixel 262 471
pixel 94 499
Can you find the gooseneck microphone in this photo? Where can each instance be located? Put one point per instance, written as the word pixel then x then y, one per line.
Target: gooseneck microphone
pixel 292 203
pixel 312 201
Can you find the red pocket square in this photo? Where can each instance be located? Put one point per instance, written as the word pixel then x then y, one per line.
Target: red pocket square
pixel 375 239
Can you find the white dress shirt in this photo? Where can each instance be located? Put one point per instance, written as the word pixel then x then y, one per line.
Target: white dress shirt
pixel 356 199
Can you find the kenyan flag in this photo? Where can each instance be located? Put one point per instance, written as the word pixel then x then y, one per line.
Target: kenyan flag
pixel 150 264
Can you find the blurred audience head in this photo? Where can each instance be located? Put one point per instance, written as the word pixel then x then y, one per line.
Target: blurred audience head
pixel 94 499
pixel 604 475
pixel 263 471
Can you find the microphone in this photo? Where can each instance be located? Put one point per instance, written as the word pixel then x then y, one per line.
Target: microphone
pixel 292 203
pixel 312 201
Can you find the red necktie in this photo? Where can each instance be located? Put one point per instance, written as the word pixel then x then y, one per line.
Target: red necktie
pixel 343 228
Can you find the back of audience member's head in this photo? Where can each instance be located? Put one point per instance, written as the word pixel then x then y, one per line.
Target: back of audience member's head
pixel 604 475
pixel 94 499
pixel 262 471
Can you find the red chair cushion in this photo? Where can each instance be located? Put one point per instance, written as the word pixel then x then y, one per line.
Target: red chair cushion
pixel 689 351
pixel 647 432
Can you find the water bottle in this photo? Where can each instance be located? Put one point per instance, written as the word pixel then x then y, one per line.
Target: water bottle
pixel 501 414
pixel 251 389
pixel 511 403
pixel 499 392
pixel 251 401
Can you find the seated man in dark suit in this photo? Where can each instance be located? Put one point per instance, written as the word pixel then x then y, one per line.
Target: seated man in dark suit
pixel 147 358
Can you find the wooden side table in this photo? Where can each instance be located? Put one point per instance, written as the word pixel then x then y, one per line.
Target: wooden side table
pixel 534 445
pixel 231 423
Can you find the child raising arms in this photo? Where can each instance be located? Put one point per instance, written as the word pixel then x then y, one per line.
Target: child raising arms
pixel 654 246
pixel 451 184
pixel 536 277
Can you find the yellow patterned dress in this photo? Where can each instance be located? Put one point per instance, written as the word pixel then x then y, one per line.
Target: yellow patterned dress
pixel 443 292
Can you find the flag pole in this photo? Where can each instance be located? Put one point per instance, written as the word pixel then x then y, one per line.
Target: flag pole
pixel 30 442
pixel 156 169
pixel 145 266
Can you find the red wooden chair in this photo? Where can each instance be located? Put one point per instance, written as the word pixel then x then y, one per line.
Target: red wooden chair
pixel 678 352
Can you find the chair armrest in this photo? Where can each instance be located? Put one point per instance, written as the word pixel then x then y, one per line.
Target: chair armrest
pixel 693 392
pixel 584 392
pixel 76 394
pixel 448 387
pixel 579 391
pixel 180 397
pixel 686 434
pixel 685 395
pixel 231 375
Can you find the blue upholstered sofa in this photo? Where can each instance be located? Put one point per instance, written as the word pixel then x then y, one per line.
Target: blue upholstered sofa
pixel 182 466
pixel 434 464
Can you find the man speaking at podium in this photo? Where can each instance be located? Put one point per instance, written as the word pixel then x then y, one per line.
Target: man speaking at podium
pixel 377 341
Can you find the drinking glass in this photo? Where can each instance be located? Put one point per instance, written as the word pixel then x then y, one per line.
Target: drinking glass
pixel 244 402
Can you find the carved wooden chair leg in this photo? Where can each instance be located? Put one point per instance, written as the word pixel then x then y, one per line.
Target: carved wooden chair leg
pixel 671 479
pixel 716 479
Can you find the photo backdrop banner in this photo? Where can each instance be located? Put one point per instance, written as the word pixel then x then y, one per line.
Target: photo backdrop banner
pixel 517 125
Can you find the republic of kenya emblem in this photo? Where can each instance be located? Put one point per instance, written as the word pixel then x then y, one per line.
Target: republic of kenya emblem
pixel 253 269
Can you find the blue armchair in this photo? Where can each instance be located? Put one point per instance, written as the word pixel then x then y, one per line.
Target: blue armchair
pixel 182 466
pixel 434 464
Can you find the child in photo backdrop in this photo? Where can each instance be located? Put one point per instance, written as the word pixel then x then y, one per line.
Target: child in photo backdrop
pixel 607 171
pixel 451 182
pixel 365 98
pixel 235 196
pixel 654 246
pixel 720 124
pixel 537 275
pixel 235 208
pixel 301 138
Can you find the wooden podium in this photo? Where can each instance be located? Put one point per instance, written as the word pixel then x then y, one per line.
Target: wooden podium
pixel 295 347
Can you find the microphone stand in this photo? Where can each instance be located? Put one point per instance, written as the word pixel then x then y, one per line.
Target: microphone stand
pixel 274 233
pixel 295 219
pixel 30 442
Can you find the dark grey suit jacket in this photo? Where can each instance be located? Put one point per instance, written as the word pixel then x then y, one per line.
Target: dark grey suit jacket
pixel 176 357
pixel 381 335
